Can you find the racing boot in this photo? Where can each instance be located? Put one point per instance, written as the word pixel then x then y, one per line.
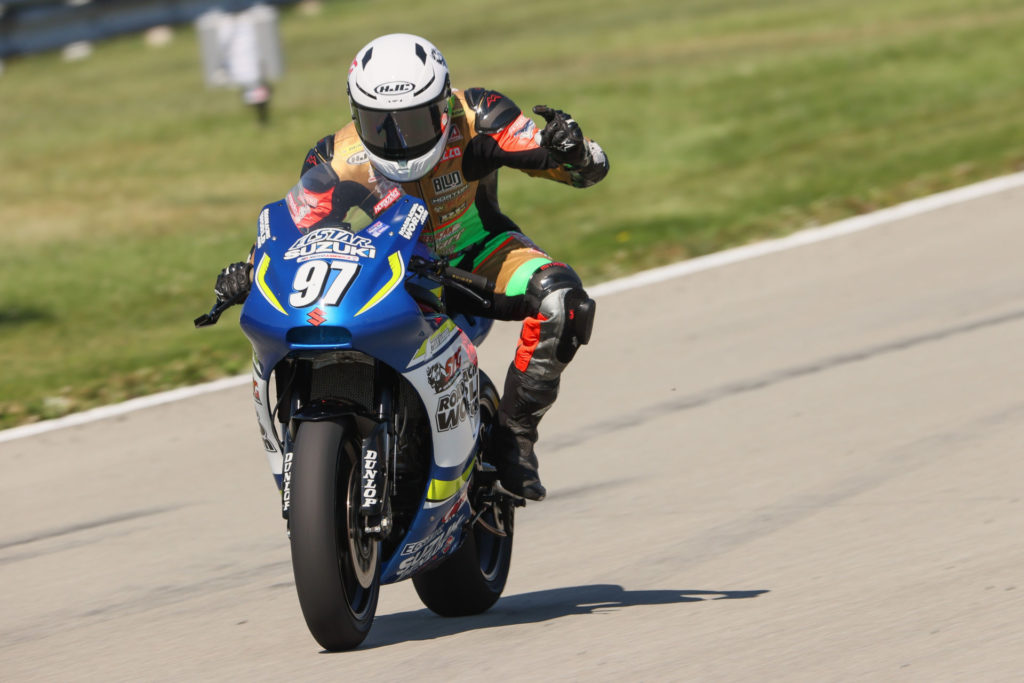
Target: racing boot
pixel 523 404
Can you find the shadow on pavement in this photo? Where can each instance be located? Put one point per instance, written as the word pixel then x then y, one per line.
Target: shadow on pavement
pixel 531 608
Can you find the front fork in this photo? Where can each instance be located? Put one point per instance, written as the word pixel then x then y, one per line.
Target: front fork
pixel 378 459
pixel 374 468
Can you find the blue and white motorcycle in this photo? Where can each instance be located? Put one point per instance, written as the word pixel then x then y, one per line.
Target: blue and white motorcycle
pixel 379 415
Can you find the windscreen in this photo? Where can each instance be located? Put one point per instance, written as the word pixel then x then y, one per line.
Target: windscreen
pixel 322 200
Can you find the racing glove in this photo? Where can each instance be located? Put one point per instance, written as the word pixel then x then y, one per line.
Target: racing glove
pixel 233 282
pixel 563 138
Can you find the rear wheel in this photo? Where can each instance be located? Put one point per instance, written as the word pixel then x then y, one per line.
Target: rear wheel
pixel 336 565
pixel 473 578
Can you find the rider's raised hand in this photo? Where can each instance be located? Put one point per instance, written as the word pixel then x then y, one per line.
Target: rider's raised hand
pixel 234 282
pixel 562 137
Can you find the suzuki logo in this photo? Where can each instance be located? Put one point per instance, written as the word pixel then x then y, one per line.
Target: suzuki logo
pixel 316 317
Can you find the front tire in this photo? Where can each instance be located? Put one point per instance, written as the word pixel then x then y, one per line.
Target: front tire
pixel 336 566
pixel 473 578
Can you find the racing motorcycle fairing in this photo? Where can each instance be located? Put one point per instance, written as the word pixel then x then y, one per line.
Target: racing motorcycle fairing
pixel 328 291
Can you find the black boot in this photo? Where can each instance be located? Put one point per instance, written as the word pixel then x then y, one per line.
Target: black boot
pixel 523 404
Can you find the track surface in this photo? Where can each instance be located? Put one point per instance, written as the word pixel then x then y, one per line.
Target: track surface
pixel 802 467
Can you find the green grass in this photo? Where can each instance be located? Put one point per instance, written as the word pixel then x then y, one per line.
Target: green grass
pixel 125 184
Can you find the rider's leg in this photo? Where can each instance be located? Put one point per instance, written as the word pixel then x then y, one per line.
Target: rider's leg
pixel 557 319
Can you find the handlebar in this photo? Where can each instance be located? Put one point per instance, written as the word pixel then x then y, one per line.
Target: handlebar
pixel 473 285
pixel 466 278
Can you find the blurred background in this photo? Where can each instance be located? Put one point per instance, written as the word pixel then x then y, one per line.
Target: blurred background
pixel 133 163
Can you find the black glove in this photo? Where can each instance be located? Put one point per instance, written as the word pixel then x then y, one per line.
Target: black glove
pixel 233 283
pixel 563 137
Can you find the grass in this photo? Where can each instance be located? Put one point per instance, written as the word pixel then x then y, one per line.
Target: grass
pixel 125 184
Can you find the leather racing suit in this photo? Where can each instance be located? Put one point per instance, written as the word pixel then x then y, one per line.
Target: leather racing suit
pixel 488 132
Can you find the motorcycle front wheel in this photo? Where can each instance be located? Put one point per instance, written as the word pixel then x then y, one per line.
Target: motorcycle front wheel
pixel 336 565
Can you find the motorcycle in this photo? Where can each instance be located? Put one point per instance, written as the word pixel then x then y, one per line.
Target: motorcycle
pixel 377 428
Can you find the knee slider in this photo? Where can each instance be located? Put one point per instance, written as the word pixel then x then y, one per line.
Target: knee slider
pixel 559 294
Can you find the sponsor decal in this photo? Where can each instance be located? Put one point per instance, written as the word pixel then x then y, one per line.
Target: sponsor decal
pixel 358 158
pixel 394 88
pixel 457 211
pixel 256 393
pixel 446 239
pixel 331 243
pixel 307 207
pixel 370 478
pixel 377 229
pixel 417 216
pixel 447 181
pixel 316 317
pixel 416 546
pixel 452 410
pixel 441 337
pixel 521 134
pixel 456 134
pixel 286 483
pixel 438 57
pixel 448 196
pixel 436 341
pixel 264 232
pixel 458 405
pixel 443 375
pixel 492 99
pixel 439 543
pixel 451 153
pixel 390 198
pixel 526 131
pixel 456 506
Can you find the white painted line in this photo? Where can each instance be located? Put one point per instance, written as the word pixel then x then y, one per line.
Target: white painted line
pixel 648 277
pixel 846 226
pixel 103 412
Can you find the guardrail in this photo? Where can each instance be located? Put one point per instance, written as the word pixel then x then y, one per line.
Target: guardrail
pixel 31 26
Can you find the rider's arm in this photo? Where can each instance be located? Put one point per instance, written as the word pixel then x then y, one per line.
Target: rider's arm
pixel 504 136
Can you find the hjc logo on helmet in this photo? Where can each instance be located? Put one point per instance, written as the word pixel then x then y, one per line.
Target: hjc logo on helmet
pixel 394 88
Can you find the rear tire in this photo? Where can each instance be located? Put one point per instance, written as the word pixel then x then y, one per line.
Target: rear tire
pixel 336 567
pixel 473 578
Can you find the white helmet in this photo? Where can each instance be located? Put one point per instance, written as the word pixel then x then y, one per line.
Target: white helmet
pixel 398 88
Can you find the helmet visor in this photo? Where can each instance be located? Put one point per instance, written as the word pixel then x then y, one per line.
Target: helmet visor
pixel 404 134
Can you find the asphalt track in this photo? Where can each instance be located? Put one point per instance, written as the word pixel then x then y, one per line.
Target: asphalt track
pixel 801 467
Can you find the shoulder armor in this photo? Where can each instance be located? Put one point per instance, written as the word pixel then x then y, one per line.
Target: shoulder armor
pixel 321 153
pixel 493 110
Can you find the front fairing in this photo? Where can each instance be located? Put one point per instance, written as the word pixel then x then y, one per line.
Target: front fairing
pixel 331 289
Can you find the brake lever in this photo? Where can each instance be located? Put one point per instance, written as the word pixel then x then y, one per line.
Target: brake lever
pixel 213 316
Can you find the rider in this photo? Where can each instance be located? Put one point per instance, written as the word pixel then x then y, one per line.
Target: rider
pixel 445 146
